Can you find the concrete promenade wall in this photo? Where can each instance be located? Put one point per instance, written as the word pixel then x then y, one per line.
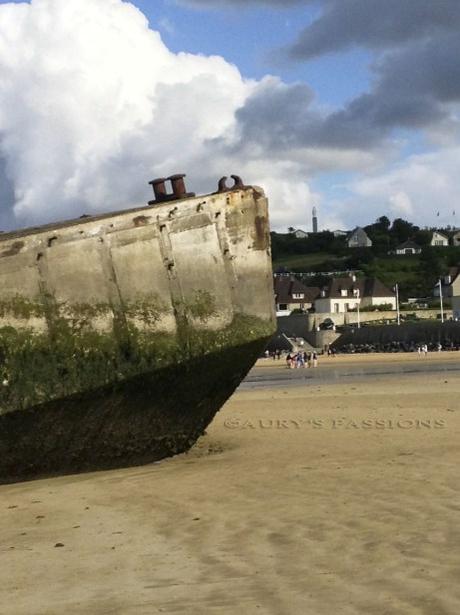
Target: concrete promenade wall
pixel 316 319
pixel 320 339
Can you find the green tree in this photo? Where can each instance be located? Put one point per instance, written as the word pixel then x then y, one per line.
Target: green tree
pixel 431 266
pixel 422 237
pixel 382 224
pixel 402 230
pixel 379 234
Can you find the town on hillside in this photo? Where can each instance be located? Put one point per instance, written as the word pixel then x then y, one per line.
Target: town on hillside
pixel 386 273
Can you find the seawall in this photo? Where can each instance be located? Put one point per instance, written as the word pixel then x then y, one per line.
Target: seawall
pixel 351 318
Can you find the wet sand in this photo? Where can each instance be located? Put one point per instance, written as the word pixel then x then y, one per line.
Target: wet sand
pixel 268 372
pixel 319 498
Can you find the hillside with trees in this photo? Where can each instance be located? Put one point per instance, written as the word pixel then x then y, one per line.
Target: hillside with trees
pixel 322 252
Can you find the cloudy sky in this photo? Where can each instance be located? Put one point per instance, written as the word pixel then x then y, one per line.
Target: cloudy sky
pixel 351 105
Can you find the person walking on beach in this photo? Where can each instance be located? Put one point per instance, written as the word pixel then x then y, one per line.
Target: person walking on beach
pixel 425 349
pixel 315 359
pixel 299 361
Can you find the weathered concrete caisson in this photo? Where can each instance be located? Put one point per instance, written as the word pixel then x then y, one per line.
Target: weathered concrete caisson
pixel 122 335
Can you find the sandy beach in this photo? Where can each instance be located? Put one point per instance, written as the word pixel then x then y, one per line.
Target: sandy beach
pixel 309 498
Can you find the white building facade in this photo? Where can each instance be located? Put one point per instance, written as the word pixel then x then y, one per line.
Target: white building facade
pixel 345 294
pixel 359 239
pixel 439 240
pixel 456 298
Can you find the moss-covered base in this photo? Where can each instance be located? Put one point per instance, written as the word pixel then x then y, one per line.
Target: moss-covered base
pixel 140 420
pixel 36 368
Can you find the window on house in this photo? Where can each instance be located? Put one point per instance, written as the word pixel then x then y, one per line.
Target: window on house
pixel 298 295
pixel 336 308
pixel 344 293
pixel 282 306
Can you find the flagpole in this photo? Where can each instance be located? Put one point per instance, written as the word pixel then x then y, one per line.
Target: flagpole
pixel 440 296
pixel 359 316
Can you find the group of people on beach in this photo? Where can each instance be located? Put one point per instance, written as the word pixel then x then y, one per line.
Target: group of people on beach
pixel 301 359
pixel 296 359
pixel 422 349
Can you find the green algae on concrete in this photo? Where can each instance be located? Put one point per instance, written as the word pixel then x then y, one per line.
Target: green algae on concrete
pixel 21 308
pixel 148 310
pixel 139 420
pixel 36 367
pixel 202 306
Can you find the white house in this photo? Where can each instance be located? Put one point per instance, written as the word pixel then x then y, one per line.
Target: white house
pixel 299 233
pixel 438 239
pixel 447 283
pixel 345 294
pixel 456 298
pixel 290 294
pixel 359 239
pixel 455 237
pixel 408 247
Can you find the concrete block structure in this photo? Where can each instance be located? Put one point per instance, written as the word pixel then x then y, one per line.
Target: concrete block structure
pixel 121 335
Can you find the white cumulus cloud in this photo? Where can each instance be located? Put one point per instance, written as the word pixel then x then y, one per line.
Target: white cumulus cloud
pixel 417 189
pixel 93 104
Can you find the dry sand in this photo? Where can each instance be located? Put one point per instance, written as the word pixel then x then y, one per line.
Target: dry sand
pixel 289 505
